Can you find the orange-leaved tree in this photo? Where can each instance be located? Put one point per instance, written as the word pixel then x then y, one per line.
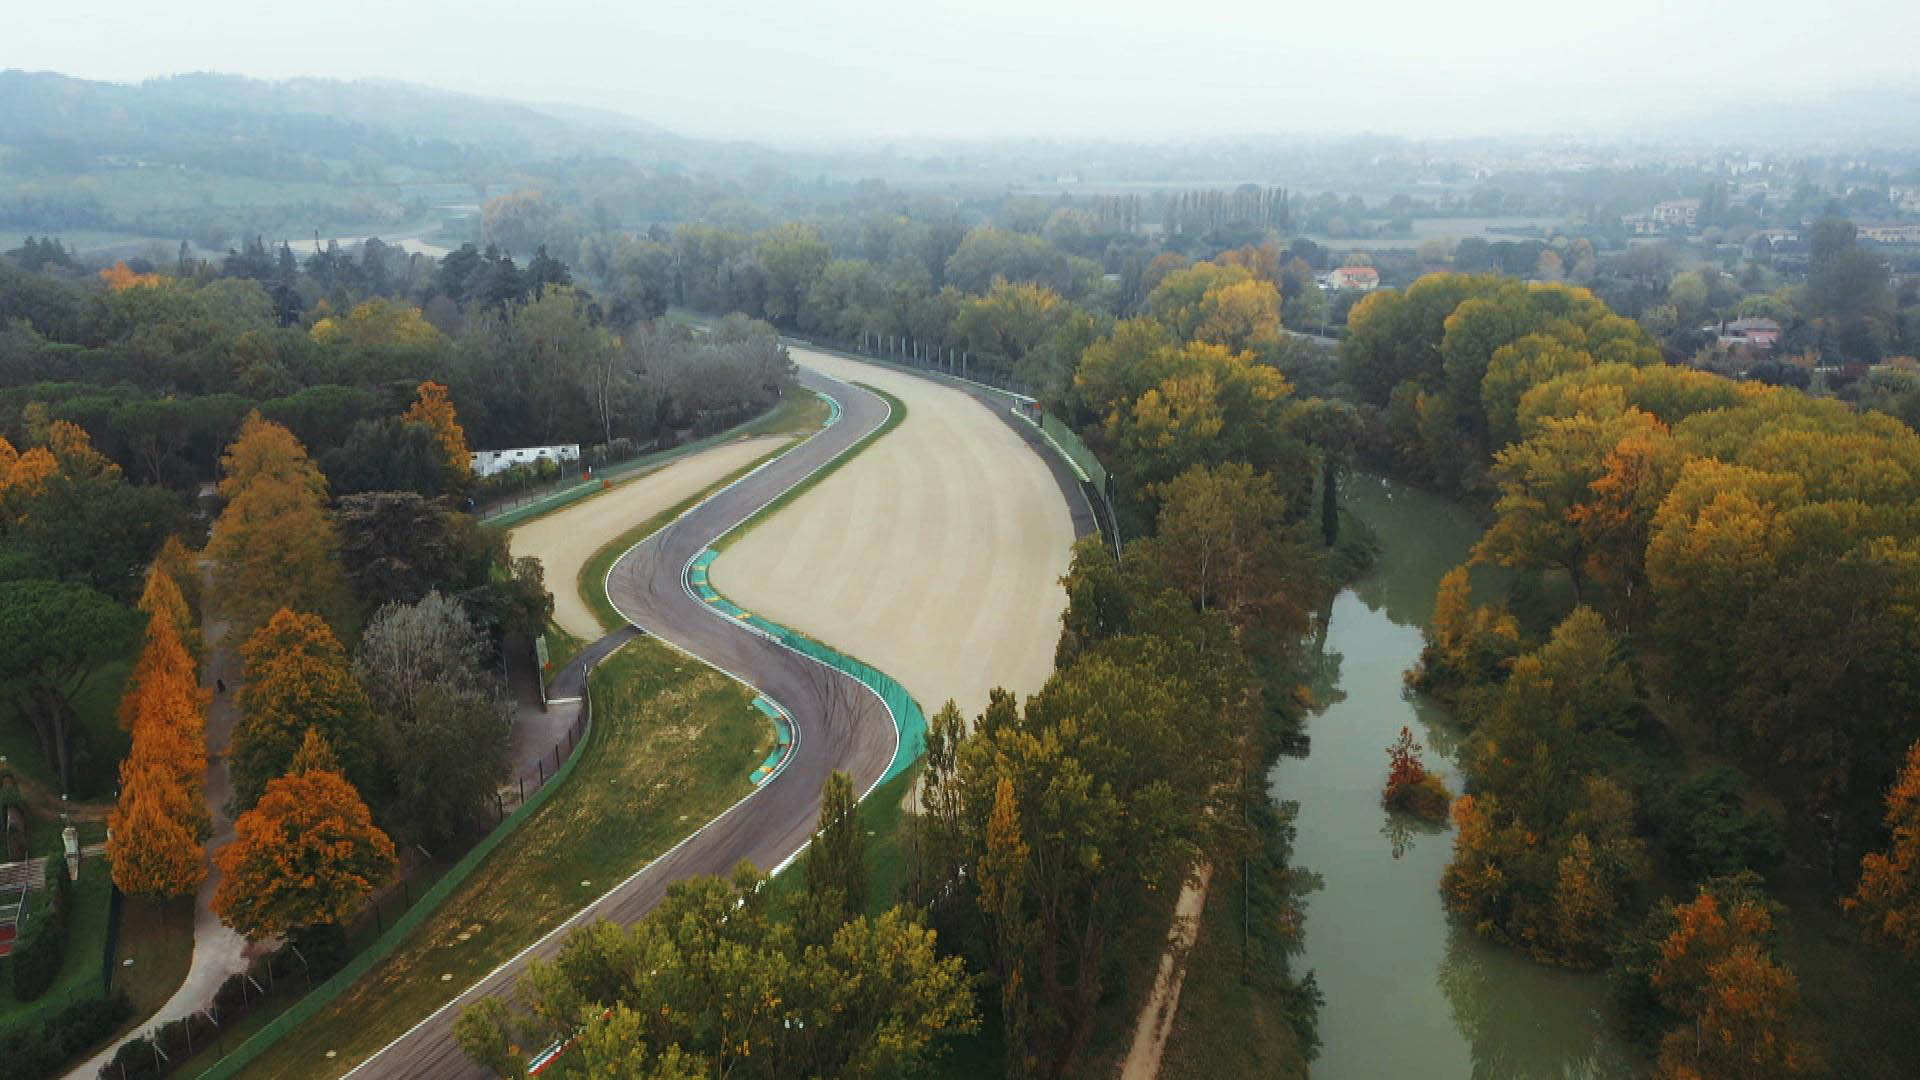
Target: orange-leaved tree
pixel 154 839
pixel 297 678
pixel 274 545
pixel 1716 970
pixel 434 409
pixel 307 854
pixel 160 820
pixel 1887 901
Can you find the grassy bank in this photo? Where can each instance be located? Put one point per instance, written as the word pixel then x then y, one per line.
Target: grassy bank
pixel 671 746
pixel 895 417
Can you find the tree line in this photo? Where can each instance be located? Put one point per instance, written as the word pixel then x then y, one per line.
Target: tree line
pixel 1712 571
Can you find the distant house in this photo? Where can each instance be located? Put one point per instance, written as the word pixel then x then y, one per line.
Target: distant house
pixel 1905 198
pixel 488 462
pixel 1640 224
pixel 1676 213
pixel 1891 235
pixel 1755 333
pixel 1363 278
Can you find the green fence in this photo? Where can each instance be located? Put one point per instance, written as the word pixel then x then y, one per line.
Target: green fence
pixel 323 995
pixel 1069 443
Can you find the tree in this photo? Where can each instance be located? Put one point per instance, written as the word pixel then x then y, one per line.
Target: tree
pixel 53 635
pixel 274 546
pixel 397 546
pixel 448 754
pixel 435 410
pixel 1223 540
pixel 1887 900
pixel 307 854
pixel 297 679
pixel 1715 974
pixel 152 843
pixel 1410 787
pixel 793 257
pixel 407 648
pixel 716 983
pixel 836 861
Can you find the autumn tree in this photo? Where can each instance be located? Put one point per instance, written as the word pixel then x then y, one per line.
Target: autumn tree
pixel 1732 1007
pixel 434 409
pixel 273 546
pixel 297 679
pixel 157 827
pixel 1410 787
pixel 152 843
pixel 1887 900
pixel 1223 539
pixel 306 854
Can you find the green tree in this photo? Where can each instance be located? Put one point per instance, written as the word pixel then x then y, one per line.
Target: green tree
pixel 53 635
pixel 836 861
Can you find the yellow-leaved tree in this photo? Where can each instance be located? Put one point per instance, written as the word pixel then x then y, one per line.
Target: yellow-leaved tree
pixel 275 545
pixel 307 854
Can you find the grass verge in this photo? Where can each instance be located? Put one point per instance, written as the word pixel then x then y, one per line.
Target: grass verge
pixel 157 936
pixel 671 746
pixel 593 573
pixel 561 647
pixel 894 419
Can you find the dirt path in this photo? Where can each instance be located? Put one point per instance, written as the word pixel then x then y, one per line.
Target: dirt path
pixel 1163 1003
pixel 564 540
pixel 935 556
pixel 218 952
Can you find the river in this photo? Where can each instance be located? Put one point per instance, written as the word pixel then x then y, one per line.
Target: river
pixel 1410 991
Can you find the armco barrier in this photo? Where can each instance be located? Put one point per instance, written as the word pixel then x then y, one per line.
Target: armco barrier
pixel 323 995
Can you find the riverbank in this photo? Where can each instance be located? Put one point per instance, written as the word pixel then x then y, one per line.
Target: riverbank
pixel 1407 992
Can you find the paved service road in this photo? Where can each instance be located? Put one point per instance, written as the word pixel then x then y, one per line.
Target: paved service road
pixel 838 723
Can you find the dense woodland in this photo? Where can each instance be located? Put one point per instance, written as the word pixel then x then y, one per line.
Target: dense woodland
pixel 1709 568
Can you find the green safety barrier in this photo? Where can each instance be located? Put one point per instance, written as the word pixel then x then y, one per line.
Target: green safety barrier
pixel 783 737
pixel 323 995
pixel 908 719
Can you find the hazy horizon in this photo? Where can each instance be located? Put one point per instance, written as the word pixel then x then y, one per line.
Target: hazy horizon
pixel 736 69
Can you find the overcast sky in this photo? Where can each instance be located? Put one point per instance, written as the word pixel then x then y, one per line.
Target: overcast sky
pixel 828 68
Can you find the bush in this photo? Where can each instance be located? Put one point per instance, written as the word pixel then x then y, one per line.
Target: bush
pixel 37 962
pixel 44 1050
pixel 1426 798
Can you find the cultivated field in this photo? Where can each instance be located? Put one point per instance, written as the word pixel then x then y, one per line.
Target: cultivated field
pixel 935 556
pixel 564 540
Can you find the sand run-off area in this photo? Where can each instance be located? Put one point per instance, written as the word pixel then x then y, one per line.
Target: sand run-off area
pixel 936 555
pixel 564 540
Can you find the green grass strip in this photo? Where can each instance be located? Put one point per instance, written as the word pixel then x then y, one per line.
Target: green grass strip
pixel 591 584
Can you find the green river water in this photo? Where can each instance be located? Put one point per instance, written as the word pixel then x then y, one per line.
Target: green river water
pixel 1409 991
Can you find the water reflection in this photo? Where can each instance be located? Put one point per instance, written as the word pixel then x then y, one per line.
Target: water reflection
pixel 1407 993
pixel 1524 1020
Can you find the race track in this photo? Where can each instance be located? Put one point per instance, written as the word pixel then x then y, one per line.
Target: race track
pixel 936 558
pixel 564 540
pixel 838 724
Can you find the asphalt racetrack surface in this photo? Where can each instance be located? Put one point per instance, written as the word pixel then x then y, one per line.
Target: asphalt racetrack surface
pixel 838 723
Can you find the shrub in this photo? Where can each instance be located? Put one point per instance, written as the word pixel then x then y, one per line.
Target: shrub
pixel 36 963
pixel 1411 789
pixel 44 1050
